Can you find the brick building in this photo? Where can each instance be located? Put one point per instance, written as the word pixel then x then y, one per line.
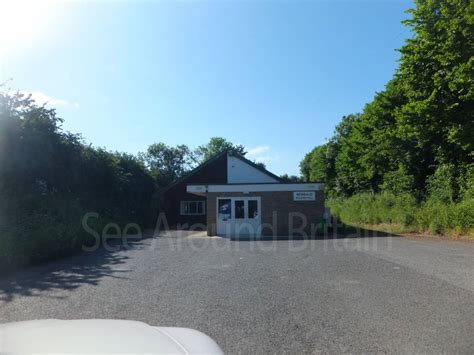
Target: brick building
pixel 231 196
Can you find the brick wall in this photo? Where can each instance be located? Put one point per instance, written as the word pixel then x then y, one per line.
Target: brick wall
pixel 276 209
pixel 214 172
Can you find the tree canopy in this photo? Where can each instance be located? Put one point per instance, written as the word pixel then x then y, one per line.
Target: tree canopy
pixel 422 122
pixel 215 146
pixel 166 163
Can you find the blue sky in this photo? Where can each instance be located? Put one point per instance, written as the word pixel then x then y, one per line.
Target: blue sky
pixel 275 76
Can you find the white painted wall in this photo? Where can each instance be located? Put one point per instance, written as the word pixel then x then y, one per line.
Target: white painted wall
pixel 239 171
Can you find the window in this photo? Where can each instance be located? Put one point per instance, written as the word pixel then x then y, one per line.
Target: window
pixel 253 209
pixel 193 207
pixel 225 209
pixel 239 209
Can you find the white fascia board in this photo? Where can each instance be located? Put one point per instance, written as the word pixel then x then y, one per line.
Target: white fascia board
pixel 254 187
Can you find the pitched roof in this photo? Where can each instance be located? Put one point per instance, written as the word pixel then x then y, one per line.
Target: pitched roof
pixel 193 171
pixel 213 159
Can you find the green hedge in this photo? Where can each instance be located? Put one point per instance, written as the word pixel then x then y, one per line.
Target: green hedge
pixel 32 233
pixel 49 179
pixel 404 211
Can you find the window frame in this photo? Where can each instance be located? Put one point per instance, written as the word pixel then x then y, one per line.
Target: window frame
pixel 182 209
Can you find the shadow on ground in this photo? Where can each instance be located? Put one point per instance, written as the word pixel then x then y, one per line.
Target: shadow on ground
pixel 341 231
pixel 67 273
pixel 88 268
pixel 348 231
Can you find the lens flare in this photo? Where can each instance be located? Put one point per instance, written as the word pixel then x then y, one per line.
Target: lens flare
pixel 22 22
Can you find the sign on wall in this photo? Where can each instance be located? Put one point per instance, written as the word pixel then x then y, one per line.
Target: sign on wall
pixel 304 196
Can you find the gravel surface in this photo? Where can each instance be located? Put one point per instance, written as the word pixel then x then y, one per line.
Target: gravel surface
pixel 386 294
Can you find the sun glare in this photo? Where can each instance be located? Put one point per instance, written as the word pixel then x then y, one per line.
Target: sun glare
pixel 22 21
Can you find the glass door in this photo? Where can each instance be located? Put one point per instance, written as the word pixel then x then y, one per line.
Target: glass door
pixel 238 216
pixel 247 216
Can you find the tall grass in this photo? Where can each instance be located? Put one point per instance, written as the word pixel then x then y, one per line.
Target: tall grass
pixel 406 214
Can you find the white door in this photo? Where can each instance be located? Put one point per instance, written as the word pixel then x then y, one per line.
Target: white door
pixel 238 216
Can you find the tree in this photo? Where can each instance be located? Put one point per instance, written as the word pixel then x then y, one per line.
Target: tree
pixel 336 182
pixel 291 178
pixel 215 146
pixel 436 71
pixel 50 179
pixel 314 165
pixel 371 147
pixel 166 163
pixel 423 119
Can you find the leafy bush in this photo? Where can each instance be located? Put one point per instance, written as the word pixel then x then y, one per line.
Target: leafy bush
pixel 466 182
pixel 49 179
pixel 398 181
pixel 462 216
pixel 441 184
pixel 381 208
pixel 432 216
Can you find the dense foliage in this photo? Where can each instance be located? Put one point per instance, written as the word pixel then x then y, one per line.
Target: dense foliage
pixel 403 213
pixel 166 163
pixel 49 179
pixel 290 178
pixel 416 137
pixel 215 146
